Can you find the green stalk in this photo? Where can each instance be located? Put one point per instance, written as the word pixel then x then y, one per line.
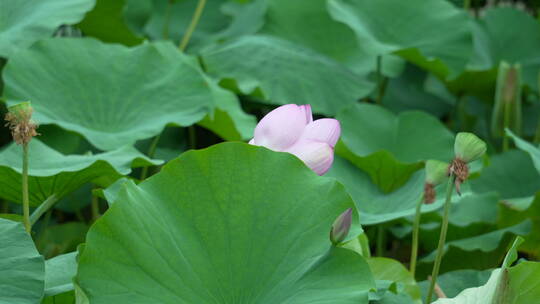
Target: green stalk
pixel 193 24
pixel 151 152
pixel 167 20
pixel 415 234
pixel 466 4
pixel 442 237
pixel 44 207
pixel 26 202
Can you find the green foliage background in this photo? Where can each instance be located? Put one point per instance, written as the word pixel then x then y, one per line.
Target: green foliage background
pixel 118 101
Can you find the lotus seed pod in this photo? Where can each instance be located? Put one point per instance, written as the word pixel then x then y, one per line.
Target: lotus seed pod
pixel 21 111
pixel 19 122
pixel 340 227
pixel 436 171
pixel 468 147
pixel 429 193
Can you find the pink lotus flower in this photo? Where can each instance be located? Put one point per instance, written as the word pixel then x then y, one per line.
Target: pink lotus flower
pixel 290 128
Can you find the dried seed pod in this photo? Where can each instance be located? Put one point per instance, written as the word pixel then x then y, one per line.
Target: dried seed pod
pixel 460 170
pixel 429 193
pixel 20 123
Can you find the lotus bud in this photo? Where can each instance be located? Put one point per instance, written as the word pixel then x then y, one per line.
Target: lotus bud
pixel 282 127
pixel 341 226
pixel 290 128
pixel 467 147
pixel 19 122
pixel 507 108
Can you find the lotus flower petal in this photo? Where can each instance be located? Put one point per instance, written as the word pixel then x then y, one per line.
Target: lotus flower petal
pixel 251 141
pixel 315 154
pixel 282 127
pixel 307 112
pixel 324 130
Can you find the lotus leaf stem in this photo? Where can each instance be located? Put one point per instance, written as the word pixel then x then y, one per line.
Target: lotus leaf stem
pixel 192 25
pixel 442 237
pixel 415 234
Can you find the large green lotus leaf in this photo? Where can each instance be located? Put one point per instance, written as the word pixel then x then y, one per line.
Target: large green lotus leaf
pixel 111 94
pixel 228 120
pixel 23 22
pixel 475 208
pixel 476 252
pixel 517 285
pixel 51 172
pixel 317 29
pixel 392 26
pixel 382 167
pixel 63 141
pixel 492 37
pixel 286 73
pixel 470 214
pixel 533 151
pixel 408 92
pixel 248 17
pixel 106 22
pixel 385 269
pixel 158 19
pixel 172 142
pixel 23 268
pixel 376 206
pixel 390 147
pixel 524 284
pixel 511 174
pixel 323 34
pixel 477 295
pixel 63 298
pixel 453 282
pixel 59 272
pixel 480 84
pixel 231 223
pixel 491 40
pixel 62 238
pixel 515 211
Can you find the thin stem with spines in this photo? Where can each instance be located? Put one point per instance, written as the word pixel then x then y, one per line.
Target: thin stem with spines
pixel 44 207
pixel 415 235
pixel 192 25
pixel 442 237
pixel 25 199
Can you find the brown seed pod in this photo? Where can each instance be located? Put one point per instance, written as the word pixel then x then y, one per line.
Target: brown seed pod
pixel 460 170
pixel 20 123
pixel 429 193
